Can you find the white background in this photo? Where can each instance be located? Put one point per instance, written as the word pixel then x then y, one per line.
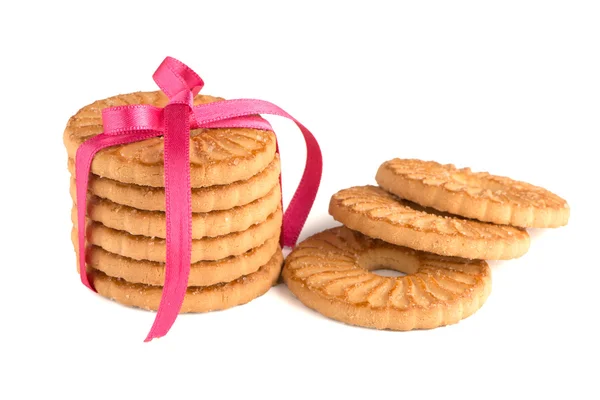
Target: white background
pixel 510 87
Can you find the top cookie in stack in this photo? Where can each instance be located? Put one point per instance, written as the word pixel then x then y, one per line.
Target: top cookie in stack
pixel 217 156
pixel 236 205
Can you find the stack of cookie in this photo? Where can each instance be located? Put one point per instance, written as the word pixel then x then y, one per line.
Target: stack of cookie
pixel 236 205
pixel 433 222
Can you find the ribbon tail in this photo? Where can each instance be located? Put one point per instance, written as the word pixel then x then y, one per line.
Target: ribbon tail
pixel 83 162
pixel 178 215
pixel 297 211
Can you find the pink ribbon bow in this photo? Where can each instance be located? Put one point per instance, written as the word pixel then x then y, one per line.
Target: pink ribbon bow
pixel 133 123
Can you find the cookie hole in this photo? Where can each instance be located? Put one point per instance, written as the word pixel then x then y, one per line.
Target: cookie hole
pixel 390 262
pixel 388 272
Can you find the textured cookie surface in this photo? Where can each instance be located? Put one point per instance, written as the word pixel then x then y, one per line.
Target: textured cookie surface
pixel 206 199
pixel 202 273
pixel 217 156
pixel 379 214
pixel 330 272
pixel 197 299
pixel 209 248
pixel 210 224
pixel 477 195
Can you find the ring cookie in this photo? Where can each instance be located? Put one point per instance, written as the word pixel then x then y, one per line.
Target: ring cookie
pixel 153 223
pixel 202 273
pixel 477 195
pixel 217 156
pixel 330 273
pixel 379 214
pixel 206 199
pixel 197 298
pixel 155 249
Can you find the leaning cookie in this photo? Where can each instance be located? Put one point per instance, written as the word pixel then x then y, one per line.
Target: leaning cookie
pixel 379 214
pixel 477 195
pixel 197 299
pixel 330 273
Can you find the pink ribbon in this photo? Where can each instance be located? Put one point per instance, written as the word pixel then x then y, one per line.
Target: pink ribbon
pixel 133 123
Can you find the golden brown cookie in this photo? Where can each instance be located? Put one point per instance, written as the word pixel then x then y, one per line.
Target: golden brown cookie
pixel 198 298
pixel 330 273
pixel 153 223
pixel 217 156
pixel 379 214
pixel 209 248
pixel 206 199
pixel 477 195
pixel 202 273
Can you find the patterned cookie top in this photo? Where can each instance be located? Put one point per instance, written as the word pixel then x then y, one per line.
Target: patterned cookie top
pixel 217 156
pixel 377 213
pixel 336 265
pixel 478 195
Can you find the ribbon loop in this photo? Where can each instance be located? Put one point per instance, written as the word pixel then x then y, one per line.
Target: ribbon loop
pixel 172 77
